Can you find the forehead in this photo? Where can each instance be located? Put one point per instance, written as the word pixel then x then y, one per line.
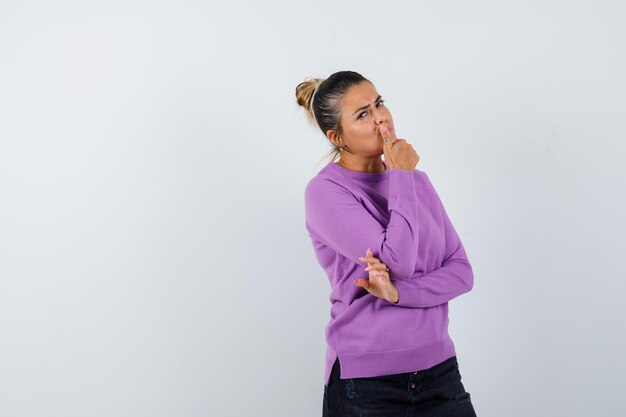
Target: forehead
pixel 359 95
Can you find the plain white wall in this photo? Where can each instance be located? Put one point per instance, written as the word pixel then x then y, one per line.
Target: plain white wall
pixel 153 254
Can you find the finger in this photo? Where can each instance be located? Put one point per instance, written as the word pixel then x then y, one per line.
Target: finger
pixel 370 259
pixel 384 132
pixel 374 263
pixel 363 283
pixel 378 267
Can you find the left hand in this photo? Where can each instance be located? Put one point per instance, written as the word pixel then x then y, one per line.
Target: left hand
pixel 378 283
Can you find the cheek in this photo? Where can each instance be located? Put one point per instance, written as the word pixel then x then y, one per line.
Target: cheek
pixel 361 130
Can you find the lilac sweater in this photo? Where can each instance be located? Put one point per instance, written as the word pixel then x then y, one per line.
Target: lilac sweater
pixel 399 215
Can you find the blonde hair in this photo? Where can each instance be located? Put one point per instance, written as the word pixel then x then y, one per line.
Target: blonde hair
pixel 321 99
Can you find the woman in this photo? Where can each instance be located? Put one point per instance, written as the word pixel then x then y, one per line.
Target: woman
pixel 388 348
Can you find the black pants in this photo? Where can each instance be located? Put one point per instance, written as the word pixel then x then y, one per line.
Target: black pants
pixel 433 392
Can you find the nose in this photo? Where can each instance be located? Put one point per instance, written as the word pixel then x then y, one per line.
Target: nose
pixel 381 117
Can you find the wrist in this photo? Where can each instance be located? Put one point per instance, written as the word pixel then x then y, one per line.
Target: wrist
pixel 396 297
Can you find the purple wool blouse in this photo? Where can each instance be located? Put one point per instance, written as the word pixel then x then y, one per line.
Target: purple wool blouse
pixel 399 216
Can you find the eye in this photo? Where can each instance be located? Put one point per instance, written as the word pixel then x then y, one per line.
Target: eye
pixel 379 104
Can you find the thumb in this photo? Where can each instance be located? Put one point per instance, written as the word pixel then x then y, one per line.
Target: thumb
pixel 363 283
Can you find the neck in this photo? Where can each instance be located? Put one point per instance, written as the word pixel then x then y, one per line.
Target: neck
pixel 372 165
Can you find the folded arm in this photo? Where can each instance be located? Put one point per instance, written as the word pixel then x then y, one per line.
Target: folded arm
pixel 336 217
pixel 453 278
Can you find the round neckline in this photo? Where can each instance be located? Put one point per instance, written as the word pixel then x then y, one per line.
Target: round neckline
pixel 359 174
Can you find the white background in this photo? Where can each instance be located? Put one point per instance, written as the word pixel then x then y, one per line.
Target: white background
pixel 153 254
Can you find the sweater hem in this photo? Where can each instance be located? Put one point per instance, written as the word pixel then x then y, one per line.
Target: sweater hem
pixel 369 364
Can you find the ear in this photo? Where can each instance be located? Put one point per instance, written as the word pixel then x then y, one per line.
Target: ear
pixel 333 137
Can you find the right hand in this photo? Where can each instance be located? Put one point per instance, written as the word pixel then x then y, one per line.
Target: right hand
pixel 379 282
pixel 398 153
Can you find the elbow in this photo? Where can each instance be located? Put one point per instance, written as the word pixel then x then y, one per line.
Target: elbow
pixel 463 268
pixel 469 277
pixel 463 272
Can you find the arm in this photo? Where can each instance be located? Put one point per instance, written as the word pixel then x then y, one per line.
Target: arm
pixel 336 217
pixel 453 278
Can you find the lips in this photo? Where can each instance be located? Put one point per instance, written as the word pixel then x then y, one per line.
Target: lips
pixel 389 128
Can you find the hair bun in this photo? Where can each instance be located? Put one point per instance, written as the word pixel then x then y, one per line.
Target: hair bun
pixel 305 92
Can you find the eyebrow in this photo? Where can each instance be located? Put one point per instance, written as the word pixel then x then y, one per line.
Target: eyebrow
pixel 366 106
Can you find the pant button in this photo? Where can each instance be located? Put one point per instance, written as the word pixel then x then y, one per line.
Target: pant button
pixel 412 384
pixel 415 373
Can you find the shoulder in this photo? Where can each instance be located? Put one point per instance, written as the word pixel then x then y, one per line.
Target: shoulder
pixel 323 185
pixel 422 179
pixel 419 173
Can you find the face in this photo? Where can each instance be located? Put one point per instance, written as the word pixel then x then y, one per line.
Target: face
pixel 362 113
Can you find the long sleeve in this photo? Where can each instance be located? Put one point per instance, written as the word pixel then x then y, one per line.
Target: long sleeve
pixel 453 278
pixel 336 217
